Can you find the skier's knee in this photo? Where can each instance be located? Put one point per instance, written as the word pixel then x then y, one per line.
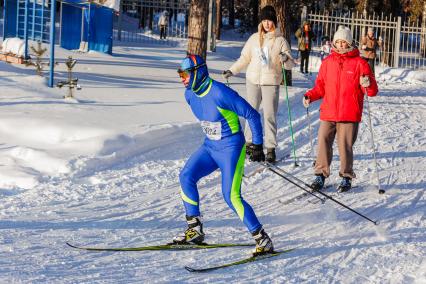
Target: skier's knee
pixel 186 177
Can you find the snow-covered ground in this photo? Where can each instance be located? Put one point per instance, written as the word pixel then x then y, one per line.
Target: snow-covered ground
pixel 102 170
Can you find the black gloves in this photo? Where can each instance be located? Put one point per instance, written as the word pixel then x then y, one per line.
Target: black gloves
pixel 226 74
pixel 284 57
pixel 257 154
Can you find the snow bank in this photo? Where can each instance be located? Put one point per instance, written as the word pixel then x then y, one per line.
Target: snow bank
pixel 15 46
pixel 46 146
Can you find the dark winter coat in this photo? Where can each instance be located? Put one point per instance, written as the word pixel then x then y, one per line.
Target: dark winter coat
pixel 371 45
pixel 301 41
pixel 338 84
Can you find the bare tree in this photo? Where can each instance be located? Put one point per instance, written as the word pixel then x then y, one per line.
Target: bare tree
pixel 423 38
pixel 197 28
pixel 218 18
pixel 231 11
pixel 254 7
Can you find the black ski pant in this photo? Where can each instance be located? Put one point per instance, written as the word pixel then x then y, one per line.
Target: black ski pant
pixel 304 63
pixel 163 32
pixel 370 63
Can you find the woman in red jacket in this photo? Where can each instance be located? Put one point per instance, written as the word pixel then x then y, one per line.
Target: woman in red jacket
pixel 342 81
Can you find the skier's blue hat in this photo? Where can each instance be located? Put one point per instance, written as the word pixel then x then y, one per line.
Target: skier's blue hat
pixel 197 69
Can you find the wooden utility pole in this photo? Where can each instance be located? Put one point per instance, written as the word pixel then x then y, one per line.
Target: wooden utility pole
pixel 197 28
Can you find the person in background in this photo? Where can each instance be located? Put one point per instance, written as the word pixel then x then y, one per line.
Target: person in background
pixel 305 36
pixel 264 55
pixel 163 22
pixel 325 48
pixel 369 44
pixel 218 107
pixel 343 79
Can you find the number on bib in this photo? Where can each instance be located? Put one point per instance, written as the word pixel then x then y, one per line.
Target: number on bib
pixel 213 130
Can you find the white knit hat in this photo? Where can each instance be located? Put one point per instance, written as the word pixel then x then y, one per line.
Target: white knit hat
pixel 343 33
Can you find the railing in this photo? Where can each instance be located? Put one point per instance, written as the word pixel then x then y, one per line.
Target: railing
pixel 401 44
pixel 139 22
pixel 131 31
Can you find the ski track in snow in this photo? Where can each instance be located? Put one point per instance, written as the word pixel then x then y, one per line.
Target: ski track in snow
pixel 131 198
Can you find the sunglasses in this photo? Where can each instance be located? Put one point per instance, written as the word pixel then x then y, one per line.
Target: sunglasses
pixel 183 73
pixel 187 72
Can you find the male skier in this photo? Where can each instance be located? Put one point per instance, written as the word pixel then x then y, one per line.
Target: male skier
pixel 218 107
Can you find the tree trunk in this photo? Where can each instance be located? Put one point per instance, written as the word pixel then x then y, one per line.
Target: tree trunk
pixel 197 30
pixel 254 7
pixel 423 37
pixel 218 18
pixel 281 7
pixel 231 11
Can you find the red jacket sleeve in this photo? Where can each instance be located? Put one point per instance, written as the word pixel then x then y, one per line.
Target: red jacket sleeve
pixel 317 92
pixel 366 71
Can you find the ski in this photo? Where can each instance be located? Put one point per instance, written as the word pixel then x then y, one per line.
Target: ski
pixel 262 168
pixel 170 246
pixel 238 262
pixel 299 197
pixel 334 194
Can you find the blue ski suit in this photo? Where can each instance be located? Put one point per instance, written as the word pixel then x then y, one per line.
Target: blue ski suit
pixel 218 107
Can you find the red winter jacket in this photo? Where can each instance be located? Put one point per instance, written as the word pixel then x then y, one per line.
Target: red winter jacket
pixel 339 87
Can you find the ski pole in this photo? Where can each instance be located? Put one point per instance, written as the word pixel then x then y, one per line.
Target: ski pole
pixel 381 191
pixel 289 116
pixel 310 135
pixel 271 167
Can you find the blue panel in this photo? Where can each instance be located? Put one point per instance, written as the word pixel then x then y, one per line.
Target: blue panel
pixel 37 16
pixel 101 29
pixel 10 20
pixel 71 27
pixel 97 26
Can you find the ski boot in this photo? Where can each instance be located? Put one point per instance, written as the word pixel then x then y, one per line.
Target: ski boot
pixel 270 155
pixel 345 185
pixel 193 235
pixel 263 243
pixel 318 183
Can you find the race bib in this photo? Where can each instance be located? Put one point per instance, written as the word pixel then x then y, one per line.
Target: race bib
pixel 213 130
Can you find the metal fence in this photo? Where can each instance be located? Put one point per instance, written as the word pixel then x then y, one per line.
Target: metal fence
pixel 400 44
pixel 139 21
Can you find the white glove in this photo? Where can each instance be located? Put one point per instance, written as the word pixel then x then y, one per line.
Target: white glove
pixel 363 46
pixel 364 81
pixel 306 101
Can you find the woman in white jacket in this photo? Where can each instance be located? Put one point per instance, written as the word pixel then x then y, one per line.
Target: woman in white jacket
pixel 263 55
